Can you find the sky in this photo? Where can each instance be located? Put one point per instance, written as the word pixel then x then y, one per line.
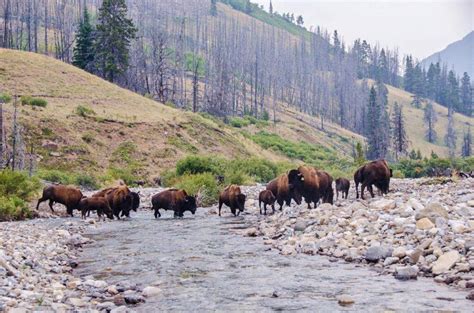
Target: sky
pixel 417 27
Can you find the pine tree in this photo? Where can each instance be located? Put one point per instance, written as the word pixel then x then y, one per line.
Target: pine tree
pixel 408 80
pixel 417 101
pixel 466 95
pixel 84 49
pixel 300 20
pixel 114 35
pixel 467 143
pixel 271 8
pixel 377 123
pixel 248 7
pixel 453 92
pixel 430 117
pixel 450 138
pixel 213 8
pixel 359 158
pixel 399 136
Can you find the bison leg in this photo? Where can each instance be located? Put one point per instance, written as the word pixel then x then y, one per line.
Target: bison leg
pixel 157 213
pixel 39 202
pixel 265 208
pixel 371 190
pixel 69 211
pixel 362 190
pixel 357 190
pixel 51 202
pixel 83 215
pixel 337 194
pixel 273 208
pixel 260 206
pixel 220 207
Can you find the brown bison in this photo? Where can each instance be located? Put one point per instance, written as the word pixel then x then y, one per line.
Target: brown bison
pixel 375 173
pixel 101 205
pixel 342 185
pixel 65 195
pixel 120 200
pixel 326 192
pixel 268 198
pixel 233 198
pixel 174 200
pixel 286 187
pixel 310 188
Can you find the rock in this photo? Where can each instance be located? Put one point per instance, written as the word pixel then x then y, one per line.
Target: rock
pixel 119 300
pixel 76 302
pixel 345 300
pixel 95 283
pixel 445 262
pixel 288 250
pixel 251 232
pixel 458 227
pixel 151 291
pixel 390 260
pixel 112 290
pixel 383 205
pixel 399 252
pixel 470 284
pixel 120 309
pixel 424 224
pixel 406 273
pixel 471 203
pixel 432 211
pixel 414 256
pixel 415 204
pixel 133 298
pixel 106 306
pixel 375 253
pixel 300 225
pixel 470 296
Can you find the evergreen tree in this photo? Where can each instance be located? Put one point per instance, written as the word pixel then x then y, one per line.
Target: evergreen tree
pixel 467 143
pixel 430 117
pixel 450 138
pixel 213 8
pixel 115 32
pixel 399 136
pixel 408 79
pixel 453 92
pixel 412 155
pixel 417 101
pixel 359 158
pixel 466 95
pixel 271 8
pixel 377 123
pixel 418 154
pixel 248 7
pixel 84 49
pixel 300 20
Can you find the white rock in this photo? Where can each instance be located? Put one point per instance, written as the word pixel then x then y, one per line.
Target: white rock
pixel 383 205
pixel 151 291
pixel 445 262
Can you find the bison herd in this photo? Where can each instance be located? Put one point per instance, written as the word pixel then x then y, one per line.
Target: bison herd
pixel 306 182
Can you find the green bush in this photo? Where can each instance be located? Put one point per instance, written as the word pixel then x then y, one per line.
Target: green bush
pixel 84 111
pixel 238 122
pixel 86 181
pixel 198 165
pixel 411 168
pixel 36 102
pixel 204 182
pixel 56 176
pixel 13 208
pixel 5 98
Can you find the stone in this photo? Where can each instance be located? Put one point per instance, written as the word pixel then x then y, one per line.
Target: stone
pixel 375 253
pixel 399 252
pixel 414 256
pixel 458 227
pixel 119 300
pixel 106 306
pixel 406 272
pixel 470 296
pixel 345 300
pixel 133 298
pixel 95 283
pixel 424 224
pixel 415 204
pixel 300 225
pixel 120 309
pixel 390 260
pixel 432 211
pixel 151 291
pixel 383 205
pixel 445 262
pixel 251 232
pixel 471 203
pixel 112 290
pixel 76 302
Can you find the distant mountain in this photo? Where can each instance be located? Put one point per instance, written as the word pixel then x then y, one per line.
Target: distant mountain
pixel 458 55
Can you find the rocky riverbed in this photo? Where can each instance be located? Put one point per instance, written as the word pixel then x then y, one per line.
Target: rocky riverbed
pixel 421 228
pixel 418 230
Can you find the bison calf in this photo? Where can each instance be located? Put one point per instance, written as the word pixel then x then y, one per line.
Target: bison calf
pixel 65 195
pixel 233 198
pixel 342 185
pixel 268 198
pixel 101 205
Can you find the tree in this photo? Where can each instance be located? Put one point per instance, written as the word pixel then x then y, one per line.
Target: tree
pixel 450 138
pixel 213 7
pixel 300 20
pixel 466 95
pixel 467 143
pixel 399 136
pixel 359 158
pixel 453 92
pixel 271 8
pixel 84 48
pixel 417 101
pixel 377 137
pixel 409 77
pixel 114 35
pixel 248 7
pixel 430 117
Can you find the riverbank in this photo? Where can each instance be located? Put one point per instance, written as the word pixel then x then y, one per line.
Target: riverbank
pixel 421 228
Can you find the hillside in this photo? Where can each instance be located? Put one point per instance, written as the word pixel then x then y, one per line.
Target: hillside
pixel 458 55
pixel 415 125
pixel 161 134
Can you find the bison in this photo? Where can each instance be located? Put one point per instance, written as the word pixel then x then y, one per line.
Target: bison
pixel 375 173
pixel 65 195
pixel 101 205
pixel 120 200
pixel 268 198
pixel 233 198
pixel 310 188
pixel 326 192
pixel 174 200
pixel 286 187
pixel 342 185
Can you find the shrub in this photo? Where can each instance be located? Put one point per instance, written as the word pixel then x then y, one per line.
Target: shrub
pixel 5 98
pixel 37 102
pixel 13 208
pixel 86 181
pixel 238 122
pixel 84 111
pixel 88 137
pixel 204 182
pixel 127 174
pixel 56 176
pixel 197 165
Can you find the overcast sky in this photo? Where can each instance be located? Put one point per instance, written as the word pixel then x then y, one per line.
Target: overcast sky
pixel 418 27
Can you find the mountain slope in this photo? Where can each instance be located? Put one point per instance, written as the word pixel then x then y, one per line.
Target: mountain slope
pixel 458 55
pixel 161 134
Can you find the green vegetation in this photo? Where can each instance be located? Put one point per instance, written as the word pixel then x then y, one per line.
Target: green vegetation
pixel 415 168
pixel 5 98
pixel 69 178
pixel 181 143
pixel 125 163
pixel 247 120
pixel 84 111
pixel 36 102
pixel 16 189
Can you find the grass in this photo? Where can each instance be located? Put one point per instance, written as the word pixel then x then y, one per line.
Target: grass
pixel 35 102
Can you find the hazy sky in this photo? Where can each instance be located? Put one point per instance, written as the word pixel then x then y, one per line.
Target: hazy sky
pixel 418 27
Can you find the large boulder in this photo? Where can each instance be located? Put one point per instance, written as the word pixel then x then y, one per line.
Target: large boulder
pixel 406 272
pixel 445 262
pixel 432 211
pixel 383 205
pixel 376 253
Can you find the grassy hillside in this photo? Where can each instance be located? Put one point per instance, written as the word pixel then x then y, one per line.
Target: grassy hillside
pixel 416 129
pixel 91 125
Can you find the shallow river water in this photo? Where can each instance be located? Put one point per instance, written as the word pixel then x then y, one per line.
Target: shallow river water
pixel 201 265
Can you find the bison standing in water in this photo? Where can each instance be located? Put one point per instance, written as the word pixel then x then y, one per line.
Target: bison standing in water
pixel 174 200
pixel 268 198
pixel 65 195
pixel 233 197
pixel 342 185
pixel 286 187
pixel 375 173
pixel 101 205
pixel 120 199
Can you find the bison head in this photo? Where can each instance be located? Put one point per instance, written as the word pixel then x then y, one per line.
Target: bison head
pixel 241 202
pixel 295 180
pixel 190 204
pixel 135 200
